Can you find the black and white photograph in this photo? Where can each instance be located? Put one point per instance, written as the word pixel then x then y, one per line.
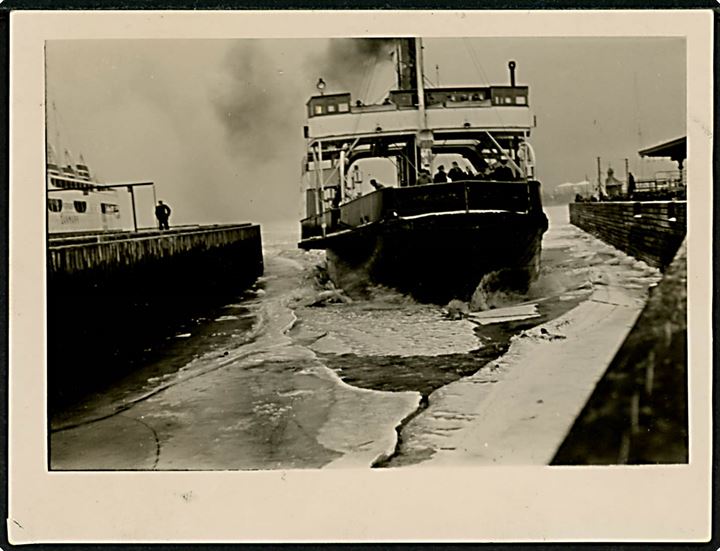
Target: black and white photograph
pixel 378 251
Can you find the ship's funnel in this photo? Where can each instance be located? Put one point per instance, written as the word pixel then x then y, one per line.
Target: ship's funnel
pixel 511 66
pixel 406 61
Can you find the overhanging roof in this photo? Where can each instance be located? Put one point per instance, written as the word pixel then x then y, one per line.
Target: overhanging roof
pixel 675 149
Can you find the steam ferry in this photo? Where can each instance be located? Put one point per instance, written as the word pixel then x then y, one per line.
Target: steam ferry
pixel 76 202
pixel 434 239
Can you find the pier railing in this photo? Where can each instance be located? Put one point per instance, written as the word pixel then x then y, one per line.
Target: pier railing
pixel 670 183
pixel 67 256
pixel 82 237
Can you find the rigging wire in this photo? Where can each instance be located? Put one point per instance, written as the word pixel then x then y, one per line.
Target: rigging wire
pixel 373 68
pixel 476 62
pixel 481 72
pixel 364 84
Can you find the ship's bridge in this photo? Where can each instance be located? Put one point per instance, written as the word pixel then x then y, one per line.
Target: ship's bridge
pixel 459 108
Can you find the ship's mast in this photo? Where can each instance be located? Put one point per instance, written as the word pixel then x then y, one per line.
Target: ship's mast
pixel 406 64
pixel 424 136
pixel 419 77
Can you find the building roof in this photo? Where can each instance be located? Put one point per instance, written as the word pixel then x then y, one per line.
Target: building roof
pixel 675 149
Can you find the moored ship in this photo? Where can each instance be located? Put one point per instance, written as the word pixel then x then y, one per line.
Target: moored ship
pixel 433 237
pixel 76 202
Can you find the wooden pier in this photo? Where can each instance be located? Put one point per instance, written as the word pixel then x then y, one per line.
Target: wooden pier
pixel 115 293
pixel 85 254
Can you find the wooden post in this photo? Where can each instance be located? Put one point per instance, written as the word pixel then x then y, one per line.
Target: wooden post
pixel 342 175
pixel 322 190
pixel 131 189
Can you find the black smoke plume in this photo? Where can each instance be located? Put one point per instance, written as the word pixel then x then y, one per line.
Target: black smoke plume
pixel 254 103
pixel 347 65
pixel 263 110
pixel 257 106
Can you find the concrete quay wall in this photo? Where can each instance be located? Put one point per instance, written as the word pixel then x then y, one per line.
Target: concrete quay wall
pixel 650 231
pixel 112 299
pixel 638 412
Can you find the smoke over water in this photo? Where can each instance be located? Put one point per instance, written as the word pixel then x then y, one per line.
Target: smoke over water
pixel 348 64
pixel 256 104
pixel 259 99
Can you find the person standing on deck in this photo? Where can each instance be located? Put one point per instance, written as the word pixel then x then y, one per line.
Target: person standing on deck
pixel 456 174
pixel 503 172
pixel 440 176
pixel 482 169
pixel 424 177
pixel 162 213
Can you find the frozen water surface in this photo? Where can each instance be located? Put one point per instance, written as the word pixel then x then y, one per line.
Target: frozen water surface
pixel 271 382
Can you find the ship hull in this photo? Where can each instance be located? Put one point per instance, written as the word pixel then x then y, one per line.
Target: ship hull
pixel 440 257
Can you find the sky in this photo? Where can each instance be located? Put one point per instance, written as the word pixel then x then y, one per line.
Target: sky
pixel 218 124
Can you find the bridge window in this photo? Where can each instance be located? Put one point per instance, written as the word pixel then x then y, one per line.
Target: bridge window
pixel 108 208
pixel 318 109
pixel 54 205
pixel 521 100
pixel 80 206
pixel 343 107
pixel 331 108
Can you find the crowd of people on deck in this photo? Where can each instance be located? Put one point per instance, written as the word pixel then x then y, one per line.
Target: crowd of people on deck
pixel 500 170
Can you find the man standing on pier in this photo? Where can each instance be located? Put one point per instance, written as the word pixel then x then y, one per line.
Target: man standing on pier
pixel 162 213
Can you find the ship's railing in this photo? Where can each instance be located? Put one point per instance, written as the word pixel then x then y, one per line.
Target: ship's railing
pixel 390 119
pixel 457 96
pixel 362 210
pixel 462 196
